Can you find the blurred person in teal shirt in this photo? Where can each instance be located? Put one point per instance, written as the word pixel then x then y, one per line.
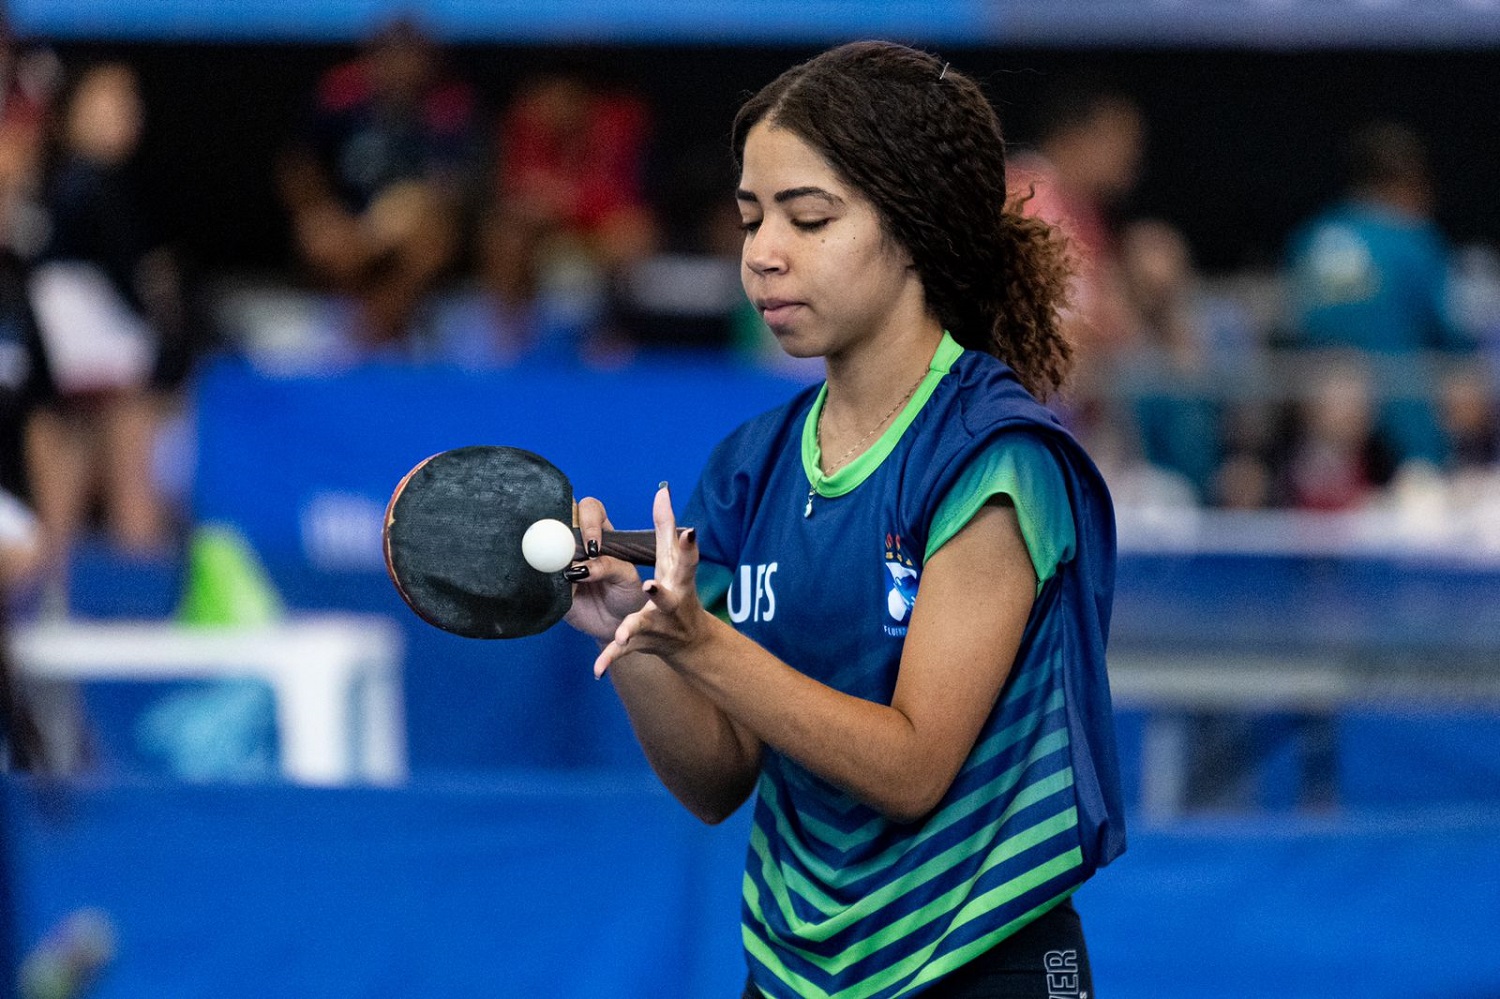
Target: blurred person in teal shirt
pixel 1371 274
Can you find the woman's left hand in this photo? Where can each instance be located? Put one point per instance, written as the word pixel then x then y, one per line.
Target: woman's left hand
pixel 673 618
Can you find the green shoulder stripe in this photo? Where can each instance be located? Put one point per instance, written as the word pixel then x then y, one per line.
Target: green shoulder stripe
pixel 1020 467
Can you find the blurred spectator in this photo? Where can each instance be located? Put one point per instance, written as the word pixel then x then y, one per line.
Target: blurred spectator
pixel 1188 346
pixel 1470 421
pixel 1335 459
pixel 688 293
pixel 1245 478
pixel 1086 161
pixel 1371 273
pixel 109 309
pixel 568 213
pixel 377 183
pixel 24 383
pixel 28 79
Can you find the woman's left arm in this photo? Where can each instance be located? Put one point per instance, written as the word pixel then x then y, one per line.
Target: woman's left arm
pixel 971 609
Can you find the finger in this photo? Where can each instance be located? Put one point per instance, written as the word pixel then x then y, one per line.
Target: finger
pixel 592 523
pixel 666 529
pixel 663 597
pixel 685 566
pixel 616 648
pixel 613 572
pixel 606 658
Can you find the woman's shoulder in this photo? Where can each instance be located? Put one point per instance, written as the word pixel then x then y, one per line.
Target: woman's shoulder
pixel 987 406
pixel 985 395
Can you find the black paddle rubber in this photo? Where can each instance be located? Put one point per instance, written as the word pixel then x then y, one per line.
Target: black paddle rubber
pixel 453 532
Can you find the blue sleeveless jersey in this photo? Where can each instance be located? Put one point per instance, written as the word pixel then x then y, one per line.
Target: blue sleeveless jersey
pixel 838 899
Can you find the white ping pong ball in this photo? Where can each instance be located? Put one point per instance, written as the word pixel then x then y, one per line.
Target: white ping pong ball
pixel 548 546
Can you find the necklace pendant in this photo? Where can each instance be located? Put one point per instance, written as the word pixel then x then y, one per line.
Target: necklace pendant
pixel 808 512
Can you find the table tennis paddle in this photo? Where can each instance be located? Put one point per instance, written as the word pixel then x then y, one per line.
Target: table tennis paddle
pixel 452 536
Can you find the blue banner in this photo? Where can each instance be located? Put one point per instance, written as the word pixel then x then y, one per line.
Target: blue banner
pixel 304 466
pixel 573 21
pixel 1265 23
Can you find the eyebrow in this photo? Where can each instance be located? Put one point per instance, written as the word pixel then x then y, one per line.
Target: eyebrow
pixel 792 194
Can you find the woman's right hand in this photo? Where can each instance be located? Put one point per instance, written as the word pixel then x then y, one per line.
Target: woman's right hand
pixel 611 590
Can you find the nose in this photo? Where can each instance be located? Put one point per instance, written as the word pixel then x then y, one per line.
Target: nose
pixel 764 253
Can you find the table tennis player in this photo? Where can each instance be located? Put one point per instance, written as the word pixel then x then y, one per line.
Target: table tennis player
pixel 888 620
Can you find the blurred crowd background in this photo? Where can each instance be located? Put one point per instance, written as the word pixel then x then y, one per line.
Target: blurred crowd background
pixel 256 261
pixel 1288 292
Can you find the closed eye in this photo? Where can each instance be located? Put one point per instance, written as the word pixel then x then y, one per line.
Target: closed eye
pixel 810 225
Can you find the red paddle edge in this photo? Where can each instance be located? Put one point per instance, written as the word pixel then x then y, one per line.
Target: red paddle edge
pixel 385 532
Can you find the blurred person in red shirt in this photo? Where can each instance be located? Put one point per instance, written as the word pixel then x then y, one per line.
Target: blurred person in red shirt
pixel 29 79
pixel 568 211
pixel 377 182
pixel 1086 160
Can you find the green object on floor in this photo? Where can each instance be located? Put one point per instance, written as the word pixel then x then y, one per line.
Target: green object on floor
pixel 226 583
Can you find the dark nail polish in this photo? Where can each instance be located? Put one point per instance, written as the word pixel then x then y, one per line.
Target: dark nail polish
pixel 690 535
pixel 576 573
pixel 593 548
pixel 662 484
pixel 651 586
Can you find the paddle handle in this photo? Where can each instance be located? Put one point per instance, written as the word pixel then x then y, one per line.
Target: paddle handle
pixel 635 547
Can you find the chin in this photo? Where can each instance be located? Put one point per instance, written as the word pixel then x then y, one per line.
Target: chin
pixel 800 351
pixel 794 345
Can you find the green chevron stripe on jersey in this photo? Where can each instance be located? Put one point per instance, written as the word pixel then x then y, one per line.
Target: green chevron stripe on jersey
pixel 849 840
pixel 1021 841
pixel 913 963
pixel 835 867
pixel 783 881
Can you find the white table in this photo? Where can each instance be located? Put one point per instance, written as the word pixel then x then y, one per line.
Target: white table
pixel 335 678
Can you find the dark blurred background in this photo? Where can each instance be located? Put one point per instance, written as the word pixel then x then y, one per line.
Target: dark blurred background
pixel 1243 142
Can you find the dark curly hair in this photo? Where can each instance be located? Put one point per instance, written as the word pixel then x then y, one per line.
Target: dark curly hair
pixel 922 142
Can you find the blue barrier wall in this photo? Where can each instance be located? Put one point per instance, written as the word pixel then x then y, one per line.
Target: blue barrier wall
pixel 588 887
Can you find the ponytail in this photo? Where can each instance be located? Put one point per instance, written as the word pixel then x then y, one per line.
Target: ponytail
pixel 1031 282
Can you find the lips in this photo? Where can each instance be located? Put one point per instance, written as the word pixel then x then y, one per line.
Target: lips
pixel 777 311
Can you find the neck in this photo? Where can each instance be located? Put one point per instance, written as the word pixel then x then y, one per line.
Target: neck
pixel 864 399
pixel 864 382
pixel 1397 199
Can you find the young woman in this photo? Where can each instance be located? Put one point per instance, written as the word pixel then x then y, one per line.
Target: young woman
pixel 914 561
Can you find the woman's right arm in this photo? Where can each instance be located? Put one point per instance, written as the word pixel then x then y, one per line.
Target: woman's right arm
pixel 709 762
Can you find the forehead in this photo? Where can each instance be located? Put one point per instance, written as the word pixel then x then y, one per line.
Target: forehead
pixel 777 158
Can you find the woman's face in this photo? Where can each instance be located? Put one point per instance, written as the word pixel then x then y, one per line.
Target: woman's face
pixel 104 123
pixel 816 263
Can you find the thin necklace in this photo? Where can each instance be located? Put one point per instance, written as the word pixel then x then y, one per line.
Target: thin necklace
pixel 828 469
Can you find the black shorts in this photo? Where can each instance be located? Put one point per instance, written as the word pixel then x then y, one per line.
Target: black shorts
pixel 1046 959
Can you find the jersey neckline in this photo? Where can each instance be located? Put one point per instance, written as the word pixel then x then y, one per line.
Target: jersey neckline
pixel 862 467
